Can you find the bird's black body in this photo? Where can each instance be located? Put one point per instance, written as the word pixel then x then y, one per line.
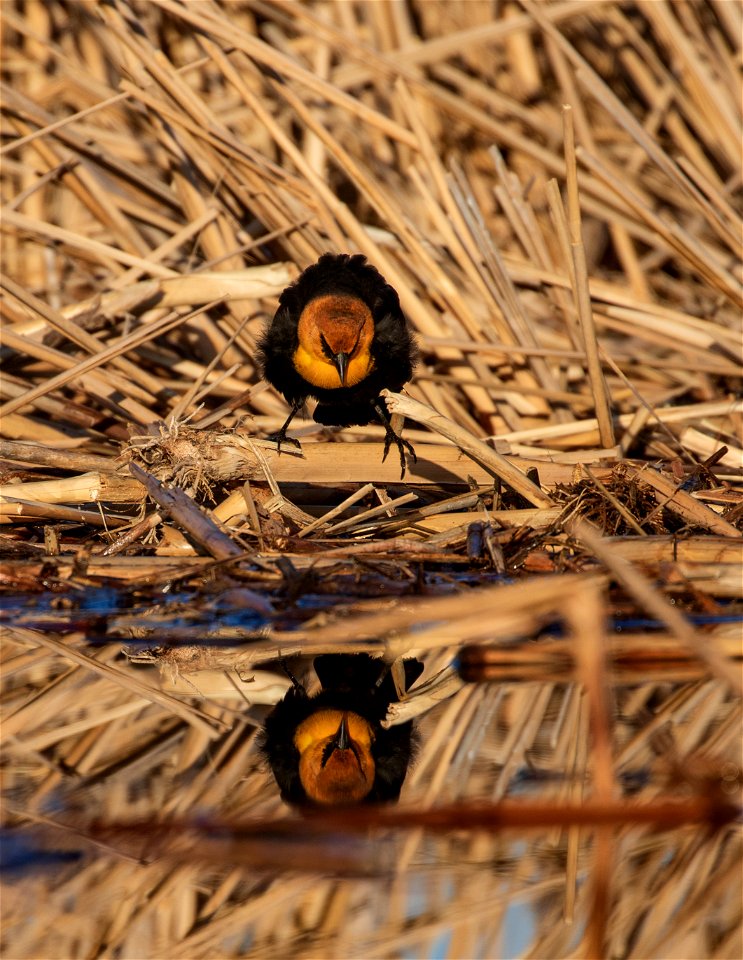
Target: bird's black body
pixel 355 683
pixel 336 280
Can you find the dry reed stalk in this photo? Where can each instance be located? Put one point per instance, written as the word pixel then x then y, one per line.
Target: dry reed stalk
pixel 500 467
pixel 193 716
pixel 582 296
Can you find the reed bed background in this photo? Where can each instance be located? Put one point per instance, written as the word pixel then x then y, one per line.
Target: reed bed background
pixel 553 188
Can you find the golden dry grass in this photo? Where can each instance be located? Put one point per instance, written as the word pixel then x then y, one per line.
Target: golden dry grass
pixel 553 188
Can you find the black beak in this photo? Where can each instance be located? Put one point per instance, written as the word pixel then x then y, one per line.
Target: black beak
pixel 341 740
pixel 341 364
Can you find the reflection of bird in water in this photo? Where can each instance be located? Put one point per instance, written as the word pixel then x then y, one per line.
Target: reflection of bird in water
pixel 340 336
pixel 331 748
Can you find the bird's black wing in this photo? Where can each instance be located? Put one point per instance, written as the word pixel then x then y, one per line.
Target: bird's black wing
pixel 276 743
pixel 395 748
pixel 393 751
pixel 275 354
pixel 393 347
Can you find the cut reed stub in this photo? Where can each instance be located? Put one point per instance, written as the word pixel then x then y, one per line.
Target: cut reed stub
pixel 632 659
pixel 481 664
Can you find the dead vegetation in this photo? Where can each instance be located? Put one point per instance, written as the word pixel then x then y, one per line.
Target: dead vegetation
pixel 565 555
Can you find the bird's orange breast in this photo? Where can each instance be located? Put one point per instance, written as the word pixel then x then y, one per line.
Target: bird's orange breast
pixel 334 776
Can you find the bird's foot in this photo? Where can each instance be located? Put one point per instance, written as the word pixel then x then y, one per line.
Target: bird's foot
pixel 391 437
pixel 280 437
pixel 297 687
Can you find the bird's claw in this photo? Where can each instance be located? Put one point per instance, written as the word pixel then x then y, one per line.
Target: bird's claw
pixel 402 445
pixel 281 437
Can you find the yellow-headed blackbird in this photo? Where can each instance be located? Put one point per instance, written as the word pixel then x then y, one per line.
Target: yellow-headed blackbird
pixel 330 749
pixel 340 336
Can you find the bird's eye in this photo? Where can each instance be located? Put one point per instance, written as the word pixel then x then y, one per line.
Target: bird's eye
pixel 326 347
pixel 327 753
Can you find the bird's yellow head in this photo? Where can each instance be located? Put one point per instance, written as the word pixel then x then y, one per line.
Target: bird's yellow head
pixel 335 761
pixel 335 334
